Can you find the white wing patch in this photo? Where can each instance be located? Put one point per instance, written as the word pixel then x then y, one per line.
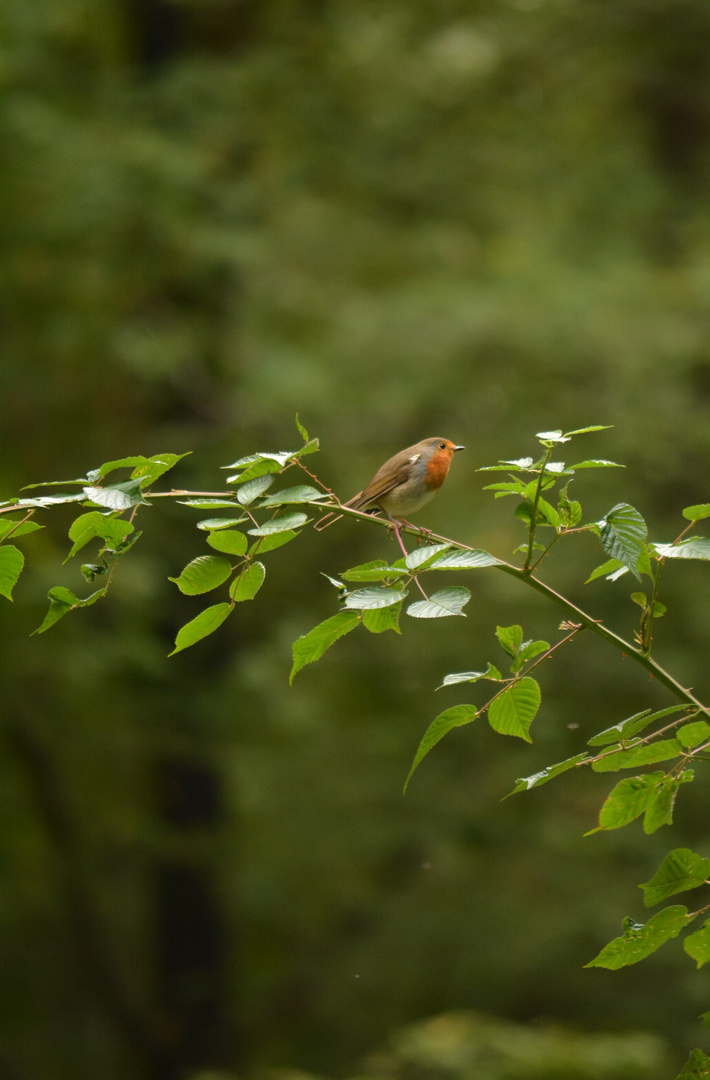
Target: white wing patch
pixel 414 458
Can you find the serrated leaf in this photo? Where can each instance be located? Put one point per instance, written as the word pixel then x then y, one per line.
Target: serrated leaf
pixel 510 639
pixel 370 599
pixel 635 756
pixel 697 945
pixel 441 604
pixel 312 645
pixel 270 543
pixel 203 574
pixel 253 489
pixel 455 677
pixel 659 811
pixel 11 562
pixel 514 487
pixel 628 800
pixel 301 430
pixel 549 512
pixel 117 496
pixel 378 620
pixel 282 523
pixel 632 725
pixel 691 735
pixel 211 524
pixel 456 716
pixel 111 530
pixel 552 437
pixel 301 493
pixel 16 527
pixel 638 942
pixel 681 870
pixel 230 541
pixel 698 512
pixel 419 556
pixel 376 570
pixel 201 626
pixel 525 783
pixel 513 711
pixel 623 532
pixel 247 584
pixel 50 500
pixel 464 560
pixel 698 547
pixel 697 1067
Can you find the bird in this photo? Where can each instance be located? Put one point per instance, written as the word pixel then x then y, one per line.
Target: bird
pixel 405 483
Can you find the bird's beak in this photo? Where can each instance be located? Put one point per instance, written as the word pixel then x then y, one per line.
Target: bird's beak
pixel 459 448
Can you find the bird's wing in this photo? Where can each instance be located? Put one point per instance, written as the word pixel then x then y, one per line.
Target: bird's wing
pixel 394 472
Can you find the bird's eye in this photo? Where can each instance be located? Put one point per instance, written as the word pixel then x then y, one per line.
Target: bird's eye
pixel 442 446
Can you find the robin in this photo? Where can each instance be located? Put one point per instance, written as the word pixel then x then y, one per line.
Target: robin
pixel 405 483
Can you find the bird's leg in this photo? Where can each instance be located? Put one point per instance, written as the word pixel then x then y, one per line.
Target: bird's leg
pixel 395 526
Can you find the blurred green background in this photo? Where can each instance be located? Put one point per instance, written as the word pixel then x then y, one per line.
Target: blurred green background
pixel 401 218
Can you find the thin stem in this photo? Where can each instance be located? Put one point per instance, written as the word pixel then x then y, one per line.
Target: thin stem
pixel 527 569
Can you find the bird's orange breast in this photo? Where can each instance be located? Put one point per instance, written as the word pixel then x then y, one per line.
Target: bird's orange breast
pixel 438 468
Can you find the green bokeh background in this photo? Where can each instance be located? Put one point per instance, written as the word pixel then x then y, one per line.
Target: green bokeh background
pixel 472 218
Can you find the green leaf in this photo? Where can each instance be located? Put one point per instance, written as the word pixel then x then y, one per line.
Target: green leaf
pixel 301 430
pixel 635 756
pixel 596 463
pixel 11 562
pixel 514 710
pixel 464 560
pixel 62 601
pixel 681 870
pixel 639 941
pixel 697 945
pixel 282 523
pixel 230 541
pixel 552 437
pixel 632 725
pixel 117 496
pixel 253 489
pixel 111 530
pixel 491 672
pixel 377 570
pixel 628 800
pixel 17 527
pixel 201 626
pixel 512 487
pixel 311 646
pixel 301 493
pixel 697 547
pixel 379 619
pixel 607 569
pixel 441 604
pixel 376 597
pixel 422 555
pixel 549 512
pixel 145 469
pixel 514 465
pixel 525 783
pixel 510 639
pixel 691 735
pixel 697 1067
pixel 530 649
pixel 660 805
pixel 207 504
pixel 623 532
pixel 210 524
pixel 697 513
pixel 50 500
pixel 457 716
pixel 248 582
pixel 270 543
pixel 586 430
pixel 202 575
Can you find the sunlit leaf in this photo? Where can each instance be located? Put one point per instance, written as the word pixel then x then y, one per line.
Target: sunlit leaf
pixel 375 597
pixel 301 493
pixel 311 646
pixel 229 541
pixel 513 711
pixel 698 512
pixel 525 783
pixel 464 560
pixel 117 496
pixel 697 945
pixel 681 870
pixel 247 584
pixel 281 523
pixel 455 677
pixel 441 604
pixel 253 489
pixel 698 547
pixel 639 941
pixel 456 716
pixel 635 756
pixel 11 562
pixel 377 620
pixel 623 532
pixel 203 574
pixel 201 626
